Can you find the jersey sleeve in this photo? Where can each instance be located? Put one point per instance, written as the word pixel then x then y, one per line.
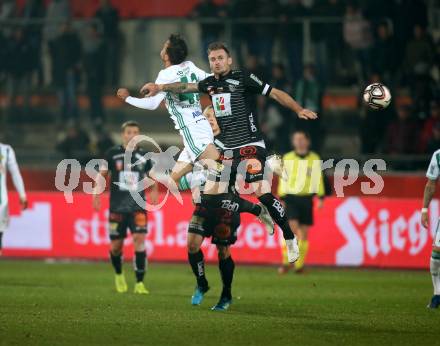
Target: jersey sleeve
pixel 203 85
pixel 433 170
pixel 15 172
pixel 255 85
pixel 150 103
pixel 201 75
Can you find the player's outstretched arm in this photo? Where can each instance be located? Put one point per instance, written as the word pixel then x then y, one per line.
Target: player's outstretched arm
pixel 427 197
pixel 150 103
pixel 152 89
pixel 287 101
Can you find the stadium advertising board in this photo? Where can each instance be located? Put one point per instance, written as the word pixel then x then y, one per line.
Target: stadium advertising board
pixel 351 231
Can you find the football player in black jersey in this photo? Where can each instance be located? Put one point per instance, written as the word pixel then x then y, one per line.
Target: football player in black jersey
pixel 125 212
pixel 230 92
pixel 221 226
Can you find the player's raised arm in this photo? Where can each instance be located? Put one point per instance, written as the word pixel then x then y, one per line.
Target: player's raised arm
pixel 152 89
pixel 150 103
pixel 287 101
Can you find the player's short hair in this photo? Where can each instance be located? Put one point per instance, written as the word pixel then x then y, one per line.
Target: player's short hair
pixel 218 45
pixel 303 132
pixel 130 123
pixel 177 50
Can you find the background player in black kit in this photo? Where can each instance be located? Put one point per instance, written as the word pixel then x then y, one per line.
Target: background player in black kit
pixel 124 210
pixel 231 91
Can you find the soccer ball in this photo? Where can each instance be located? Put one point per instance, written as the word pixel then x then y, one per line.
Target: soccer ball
pixel 377 96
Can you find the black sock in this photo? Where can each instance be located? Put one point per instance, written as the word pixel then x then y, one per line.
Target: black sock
pixel 278 214
pixel 1 240
pixel 140 260
pixel 231 202
pixel 197 262
pixel 116 262
pixel 226 267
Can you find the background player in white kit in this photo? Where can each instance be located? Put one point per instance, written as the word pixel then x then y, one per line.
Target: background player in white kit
pixel 433 174
pixel 8 162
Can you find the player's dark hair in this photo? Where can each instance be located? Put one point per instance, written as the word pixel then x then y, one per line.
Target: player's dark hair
pixel 305 133
pixel 177 49
pixel 218 45
pixel 130 123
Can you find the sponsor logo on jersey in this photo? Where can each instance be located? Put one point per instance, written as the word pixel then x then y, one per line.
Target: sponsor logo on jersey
pixel 233 81
pixel 220 103
pixel 252 123
pixel 256 79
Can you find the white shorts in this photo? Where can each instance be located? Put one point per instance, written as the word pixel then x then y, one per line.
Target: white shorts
pixel 196 138
pixel 4 217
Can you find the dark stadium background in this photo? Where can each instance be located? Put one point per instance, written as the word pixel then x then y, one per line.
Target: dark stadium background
pixel 323 52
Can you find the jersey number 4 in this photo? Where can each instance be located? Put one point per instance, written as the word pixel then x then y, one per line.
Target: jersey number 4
pixel 190 97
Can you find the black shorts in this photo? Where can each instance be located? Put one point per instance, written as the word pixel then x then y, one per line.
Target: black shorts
pixel 119 222
pixel 299 208
pixel 248 162
pixel 221 227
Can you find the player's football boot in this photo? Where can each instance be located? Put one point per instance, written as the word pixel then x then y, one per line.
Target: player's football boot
pixel 198 295
pixel 266 219
pixel 292 250
pixel 435 302
pixel 139 288
pixel 222 305
pixel 120 283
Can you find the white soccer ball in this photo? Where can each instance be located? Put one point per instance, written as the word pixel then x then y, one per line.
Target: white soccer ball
pixel 377 96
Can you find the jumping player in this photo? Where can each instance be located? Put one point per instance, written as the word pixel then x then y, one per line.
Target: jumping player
pixel 186 113
pixel 230 92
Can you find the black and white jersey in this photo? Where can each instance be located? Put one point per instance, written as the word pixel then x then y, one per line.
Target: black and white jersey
pixel 231 98
pixel 125 179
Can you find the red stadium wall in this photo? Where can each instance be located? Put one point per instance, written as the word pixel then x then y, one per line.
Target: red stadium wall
pixel 380 232
pixel 134 8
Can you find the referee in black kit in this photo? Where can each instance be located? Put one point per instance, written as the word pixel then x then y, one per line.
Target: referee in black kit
pixel 230 92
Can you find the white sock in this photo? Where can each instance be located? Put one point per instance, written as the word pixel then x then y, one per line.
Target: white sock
pixel 435 272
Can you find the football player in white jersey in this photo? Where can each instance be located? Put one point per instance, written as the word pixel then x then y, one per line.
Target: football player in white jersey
pixel 433 174
pixel 9 163
pixel 185 109
pixel 186 113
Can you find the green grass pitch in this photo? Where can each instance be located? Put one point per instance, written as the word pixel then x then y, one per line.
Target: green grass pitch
pixel 75 304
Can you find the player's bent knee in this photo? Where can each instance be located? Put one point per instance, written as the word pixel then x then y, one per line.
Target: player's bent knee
pixel 193 247
pixel 139 242
pixel 223 252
